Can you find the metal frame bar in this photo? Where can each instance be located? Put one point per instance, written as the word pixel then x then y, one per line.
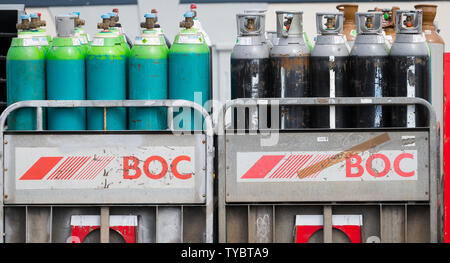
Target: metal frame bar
pixel 170 104
pixel 340 101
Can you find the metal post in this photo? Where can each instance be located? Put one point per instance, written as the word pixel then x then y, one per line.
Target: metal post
pixel 39 119
pixel 327 224
pixel 104 225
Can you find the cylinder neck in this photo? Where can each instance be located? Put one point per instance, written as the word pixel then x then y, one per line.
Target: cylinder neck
pixel 23 25
pixel 149 23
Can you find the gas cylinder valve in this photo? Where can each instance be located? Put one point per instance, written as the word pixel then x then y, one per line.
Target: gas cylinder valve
pixel 408 22
pixel 188 20
pixel 114 19
pixel 150 21
pixel 194 9
pixel 155 12
pixel 105 24
pixel 369 23
pixel 34 21
pixel 331 23
pixel 78 21
pixel 24 24
pixel 41 22
pixel 288 21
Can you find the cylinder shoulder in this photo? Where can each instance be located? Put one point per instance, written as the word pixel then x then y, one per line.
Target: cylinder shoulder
pixel 25 53
pixel 367 49
pixel 325 50
pixel 106 51
pixel 249 52
pixel 149 52
pixel 189 48
pixel 409 49
pixel 294 50
pixel 65 53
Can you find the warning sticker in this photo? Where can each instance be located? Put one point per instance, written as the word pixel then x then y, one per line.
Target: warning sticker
pixel 148 41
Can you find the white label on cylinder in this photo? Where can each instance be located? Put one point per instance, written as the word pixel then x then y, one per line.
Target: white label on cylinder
pixel 76 41
pixel 190 39
pixel 98 41
pixel 83 40
pixel 244 41
pixel 30 42
pixel 43 41
pixel 148 41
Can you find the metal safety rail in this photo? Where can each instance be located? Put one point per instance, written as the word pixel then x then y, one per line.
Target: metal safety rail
pixel 54 182
pixel 383 182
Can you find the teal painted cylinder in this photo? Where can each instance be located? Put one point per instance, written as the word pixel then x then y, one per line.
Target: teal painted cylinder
pixel 66 68
pixel 106 80
pixel 25 80
pixel 189 76
pixel 148 80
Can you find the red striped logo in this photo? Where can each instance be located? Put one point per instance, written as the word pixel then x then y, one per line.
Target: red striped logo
pixel 283 166
pixel 71 168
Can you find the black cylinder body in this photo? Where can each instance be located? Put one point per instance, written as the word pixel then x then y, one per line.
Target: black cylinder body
pixel 369 77
pixel 291 79
pixel 329 76
pixel 410 77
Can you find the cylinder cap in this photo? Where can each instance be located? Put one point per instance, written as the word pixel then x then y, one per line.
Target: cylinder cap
pixel 193 6
pixel 116 10
pixel 34 16
pixel 154 11
pixel 24 17
pixel 189 14
pixel 106 16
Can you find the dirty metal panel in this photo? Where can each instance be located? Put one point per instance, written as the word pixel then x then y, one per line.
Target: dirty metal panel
pixel 107 168
pixel 347 166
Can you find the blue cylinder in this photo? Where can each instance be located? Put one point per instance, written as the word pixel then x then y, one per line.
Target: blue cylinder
pixel 189 76
pixel 106 80
pixel 148 80
pixel 66 68
pixel 25 80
